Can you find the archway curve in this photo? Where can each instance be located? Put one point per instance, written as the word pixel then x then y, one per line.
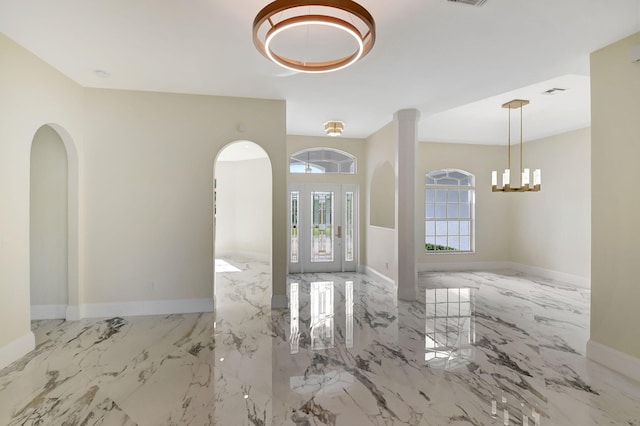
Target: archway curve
pixel 73 287
pixel 240 159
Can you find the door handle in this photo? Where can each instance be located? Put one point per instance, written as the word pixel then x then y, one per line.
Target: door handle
pixel 339 234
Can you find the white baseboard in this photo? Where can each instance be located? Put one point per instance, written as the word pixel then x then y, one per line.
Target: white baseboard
pixel 377 275
pixel 259 256
pixel 576 280
pixel 45 312
pixel 462 266
pixel 279 302
pixel 614 360
pixel 145 307
pixel 17 349
pixel 73 313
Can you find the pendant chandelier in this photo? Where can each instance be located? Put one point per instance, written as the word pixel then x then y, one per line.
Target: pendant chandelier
pixel 277 26
pixel 334 128
pixel 525 174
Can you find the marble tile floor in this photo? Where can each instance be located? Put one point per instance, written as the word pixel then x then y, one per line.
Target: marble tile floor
pixel 346 353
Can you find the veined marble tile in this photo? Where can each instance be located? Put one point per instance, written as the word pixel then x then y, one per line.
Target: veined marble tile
pixel 346 353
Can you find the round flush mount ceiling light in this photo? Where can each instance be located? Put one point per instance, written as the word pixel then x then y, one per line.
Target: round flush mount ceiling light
pixel 314 36
pixel 334 128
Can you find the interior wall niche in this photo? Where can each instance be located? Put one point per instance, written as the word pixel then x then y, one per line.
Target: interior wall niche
pixel 382 198
pixel 48 225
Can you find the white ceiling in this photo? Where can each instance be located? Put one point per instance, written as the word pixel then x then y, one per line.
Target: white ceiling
pixel 432 55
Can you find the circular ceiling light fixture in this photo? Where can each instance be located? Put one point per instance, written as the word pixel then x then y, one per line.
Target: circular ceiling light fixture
pixel 334 128
pixel 314 36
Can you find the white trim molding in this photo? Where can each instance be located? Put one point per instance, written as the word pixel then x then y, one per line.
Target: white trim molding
pixel 613 359
pixel 46 312
pixel 279 301
pixel 576 280
pixel 73 313
pixel 17 349
pixel 463 266
pixel 145 307
pixel 378 276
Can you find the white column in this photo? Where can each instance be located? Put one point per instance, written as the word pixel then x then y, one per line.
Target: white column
pixel 407 120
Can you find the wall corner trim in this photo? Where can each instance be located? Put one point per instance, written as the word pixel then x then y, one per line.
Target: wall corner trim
pixel 613 359
pixel 46 312
pixel 17 349
pixel 379 276
pixel 279 301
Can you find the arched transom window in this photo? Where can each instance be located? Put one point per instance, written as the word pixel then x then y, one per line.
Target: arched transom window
pixel 322 160
pixel 449 211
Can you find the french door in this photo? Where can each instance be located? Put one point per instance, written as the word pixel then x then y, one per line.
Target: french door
pixel 323 228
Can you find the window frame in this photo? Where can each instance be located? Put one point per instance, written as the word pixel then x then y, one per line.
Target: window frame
pixel 435 219
pixel 317 168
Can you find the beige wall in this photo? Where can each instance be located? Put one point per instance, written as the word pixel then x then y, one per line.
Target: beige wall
pixel 380 252
pixel 140 175
pixel 492 210
pixel 243 213
pixel 31 94
pixel 48 219
pixel 552 228
pixel 149 160
pixel 615 148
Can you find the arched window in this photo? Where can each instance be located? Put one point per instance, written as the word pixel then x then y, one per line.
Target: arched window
pixel 450 198
pixel 322 160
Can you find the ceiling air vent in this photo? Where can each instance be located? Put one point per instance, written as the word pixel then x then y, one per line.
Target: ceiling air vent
pixel 469 2
pixel 553 91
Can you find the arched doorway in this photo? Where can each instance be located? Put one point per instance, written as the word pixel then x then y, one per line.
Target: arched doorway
pixel 242 209
pixel 49 225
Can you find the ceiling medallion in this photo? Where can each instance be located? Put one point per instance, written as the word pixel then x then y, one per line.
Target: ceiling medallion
pixel 525 174
pixel 282 16
pixel 334 128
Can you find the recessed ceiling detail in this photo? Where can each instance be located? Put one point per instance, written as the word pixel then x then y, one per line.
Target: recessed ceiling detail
pixel 314 36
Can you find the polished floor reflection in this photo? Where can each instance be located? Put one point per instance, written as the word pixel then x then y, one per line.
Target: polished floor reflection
pixel 476 349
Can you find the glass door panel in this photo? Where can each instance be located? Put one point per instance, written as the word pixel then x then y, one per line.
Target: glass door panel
pixel 322 241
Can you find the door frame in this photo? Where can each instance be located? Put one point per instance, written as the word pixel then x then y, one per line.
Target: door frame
pixel 304 265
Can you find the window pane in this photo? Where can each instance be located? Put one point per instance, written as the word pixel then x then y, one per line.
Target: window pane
pixel 454 227
pixel 441 241
pixel 465 243
pixel 441 228
pixel 464 211
pixel 447 181
pixel 441 211
pixel 430 195
pixel 464 228
pixel 429 181
pixel 453 196
pixel 454 241
pixel 430 228
pixel 431 211
pixel 464 196
pixel 431 240
pixel 452 211
pixel 349 228
pixel 441 195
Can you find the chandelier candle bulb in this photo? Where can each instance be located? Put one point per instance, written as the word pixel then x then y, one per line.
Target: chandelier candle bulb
pixel 537 177
pixel 494 178
pixel 525 177
pixel 506 177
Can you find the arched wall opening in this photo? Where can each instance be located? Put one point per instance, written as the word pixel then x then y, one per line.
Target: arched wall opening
pixel 242 201
pixel 53 224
